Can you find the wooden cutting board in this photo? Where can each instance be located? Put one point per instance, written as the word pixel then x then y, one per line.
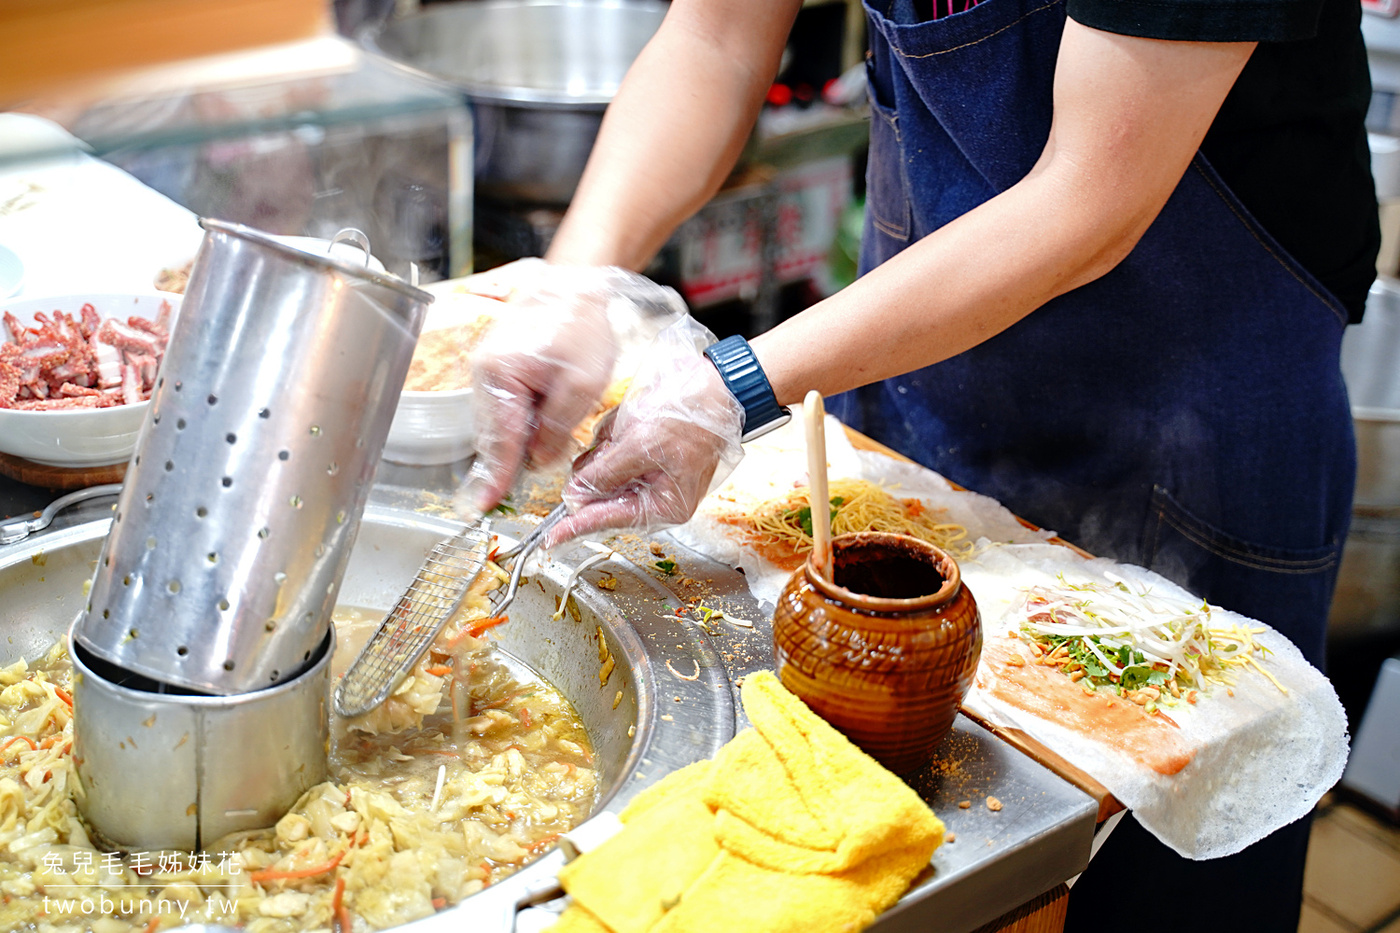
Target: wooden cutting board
pixel 1108 804
pixel 52 477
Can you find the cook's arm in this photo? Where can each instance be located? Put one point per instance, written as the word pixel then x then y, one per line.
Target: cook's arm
pixel 673 132
pixel 675 129
pixel 1129 115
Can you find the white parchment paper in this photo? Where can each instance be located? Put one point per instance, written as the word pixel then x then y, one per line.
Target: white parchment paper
pixel 1262 757
pixel 776 463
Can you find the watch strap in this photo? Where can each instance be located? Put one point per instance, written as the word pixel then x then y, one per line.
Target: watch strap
pixel 739 368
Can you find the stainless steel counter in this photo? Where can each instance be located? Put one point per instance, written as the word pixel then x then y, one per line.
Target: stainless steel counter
pixel 997 860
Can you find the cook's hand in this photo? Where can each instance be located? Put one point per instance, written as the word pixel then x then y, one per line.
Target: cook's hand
pixel 674 438
pixel 546 361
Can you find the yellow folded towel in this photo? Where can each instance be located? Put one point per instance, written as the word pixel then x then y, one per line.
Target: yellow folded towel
pixel 789 827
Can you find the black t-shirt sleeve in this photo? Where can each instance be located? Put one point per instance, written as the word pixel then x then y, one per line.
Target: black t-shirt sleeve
pixel 1201 20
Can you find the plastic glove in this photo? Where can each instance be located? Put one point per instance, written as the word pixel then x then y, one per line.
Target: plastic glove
pixel 673 439
pixel 546 361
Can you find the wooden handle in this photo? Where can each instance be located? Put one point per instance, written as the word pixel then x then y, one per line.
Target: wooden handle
pixel 818 499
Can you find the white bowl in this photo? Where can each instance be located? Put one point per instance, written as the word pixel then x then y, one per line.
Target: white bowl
pixel 432 428
pixel 11 272
pixel 83 437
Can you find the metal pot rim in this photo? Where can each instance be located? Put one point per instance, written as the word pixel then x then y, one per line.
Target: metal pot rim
pixel 488 92
pixel 270 242
pixel 212 702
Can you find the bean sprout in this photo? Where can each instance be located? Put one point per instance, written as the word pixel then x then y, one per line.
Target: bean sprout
pixel 573 579
pixel 695 676
pixel 437 791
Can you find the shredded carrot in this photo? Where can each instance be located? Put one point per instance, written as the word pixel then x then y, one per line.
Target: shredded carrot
pixel 338 911
pixel 153 925
pixel 438 670
pixel 475 629
pixel 545 841
pixel 17 738
pixel 64 695
pixel 272 874
pixel 439 903
pixel 451 643
pixel 525 716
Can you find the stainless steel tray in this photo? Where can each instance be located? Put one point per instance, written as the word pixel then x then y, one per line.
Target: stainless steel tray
pixel 1000 860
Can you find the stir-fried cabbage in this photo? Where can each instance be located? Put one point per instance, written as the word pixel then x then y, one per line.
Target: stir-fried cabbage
pixel 471 773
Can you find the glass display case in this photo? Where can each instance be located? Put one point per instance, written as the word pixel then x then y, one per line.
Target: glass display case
pixel 300 139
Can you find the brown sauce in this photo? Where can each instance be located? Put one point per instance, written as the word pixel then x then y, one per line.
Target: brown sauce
pixel 892 568
pixel 888 576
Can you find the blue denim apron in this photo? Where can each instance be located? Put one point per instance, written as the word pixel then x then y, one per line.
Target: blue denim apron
pixel 1185 412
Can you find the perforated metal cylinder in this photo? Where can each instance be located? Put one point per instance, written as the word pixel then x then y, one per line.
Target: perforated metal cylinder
pixel 160 771
pixel 253 466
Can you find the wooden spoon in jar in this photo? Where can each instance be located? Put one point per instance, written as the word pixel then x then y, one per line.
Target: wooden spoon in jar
pixel 818 500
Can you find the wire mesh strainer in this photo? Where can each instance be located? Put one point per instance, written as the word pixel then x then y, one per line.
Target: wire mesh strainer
pixel 410 627
pixel 430 601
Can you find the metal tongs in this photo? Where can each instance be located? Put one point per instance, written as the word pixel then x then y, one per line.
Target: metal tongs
pixel 11 532
pixel 522 551
pixel 431 599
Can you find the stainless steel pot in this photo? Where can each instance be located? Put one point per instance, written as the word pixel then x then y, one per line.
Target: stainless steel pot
pixel 538 73
pixel 229 540
pixel 643 720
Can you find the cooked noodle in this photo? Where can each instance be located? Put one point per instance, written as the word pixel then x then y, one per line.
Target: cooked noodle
pixel 859 505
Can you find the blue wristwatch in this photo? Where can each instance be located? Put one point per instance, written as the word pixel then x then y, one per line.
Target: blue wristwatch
pixel 742 375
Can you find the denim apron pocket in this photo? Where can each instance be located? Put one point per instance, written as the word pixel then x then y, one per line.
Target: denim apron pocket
pixel 1277 583
pixel 886 203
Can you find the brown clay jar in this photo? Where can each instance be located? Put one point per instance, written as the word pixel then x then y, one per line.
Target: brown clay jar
pixel 886 651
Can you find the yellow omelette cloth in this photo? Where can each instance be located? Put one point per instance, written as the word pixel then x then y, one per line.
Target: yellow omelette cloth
pixel 789 827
